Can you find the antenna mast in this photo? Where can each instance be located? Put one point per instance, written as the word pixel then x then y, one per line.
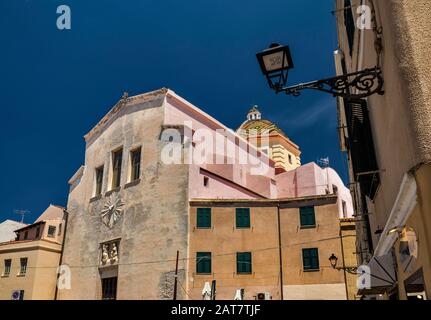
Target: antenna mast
pixel 22 213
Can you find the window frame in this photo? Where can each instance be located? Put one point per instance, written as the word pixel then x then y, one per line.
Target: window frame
pixel 312 253
pixel 116 168
pixel 304 216
pixel 98 175
pixel 200 256
pixel 242 266
pixel 135 168
pixel 109 288
pixel 202 225
pixel 23 266
pixel 51 234
pixel 7 268
pixel 239 218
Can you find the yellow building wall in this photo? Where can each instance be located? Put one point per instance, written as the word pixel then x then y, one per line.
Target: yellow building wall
pixel 223 240
pixel 40 279
pixel 326 283
pixel 348 238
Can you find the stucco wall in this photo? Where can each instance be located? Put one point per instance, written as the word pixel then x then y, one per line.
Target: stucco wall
pixel 310 180
pixel 40 278
pixel 325 236
pixel 153 225
pixel 224 240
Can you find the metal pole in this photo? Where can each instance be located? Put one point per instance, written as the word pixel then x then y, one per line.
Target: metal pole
pixel 213 290
pixel 176 276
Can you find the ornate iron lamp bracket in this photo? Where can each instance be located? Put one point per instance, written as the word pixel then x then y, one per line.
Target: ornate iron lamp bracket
pixel 366 82
pixel 351 270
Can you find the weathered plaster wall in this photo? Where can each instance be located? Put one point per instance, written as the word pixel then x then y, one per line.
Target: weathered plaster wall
pixel 154 221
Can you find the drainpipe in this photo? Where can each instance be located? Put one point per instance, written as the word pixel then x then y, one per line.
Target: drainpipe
pixel 280 252
pixel 344 262
pixel 66 218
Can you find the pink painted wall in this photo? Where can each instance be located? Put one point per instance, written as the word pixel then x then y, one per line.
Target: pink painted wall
pixel 177 112
pixel 232 181
pixel 309 180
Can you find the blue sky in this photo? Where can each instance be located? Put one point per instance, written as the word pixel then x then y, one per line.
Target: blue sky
pixel 57 84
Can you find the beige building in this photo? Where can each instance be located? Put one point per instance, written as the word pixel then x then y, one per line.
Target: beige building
pixel 29 263
pixel 270 140
pixel 268 249
pixel 388 140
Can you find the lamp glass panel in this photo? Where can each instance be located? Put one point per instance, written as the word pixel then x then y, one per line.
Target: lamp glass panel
pixel 274 61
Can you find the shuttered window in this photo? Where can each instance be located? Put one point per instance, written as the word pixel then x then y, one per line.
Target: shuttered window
pixel 203 218
pixel 349 23
pixel 203 262
pixel 307 217
pixel 361 146
pixel 310 259
pixel 243 262
pixel 243 217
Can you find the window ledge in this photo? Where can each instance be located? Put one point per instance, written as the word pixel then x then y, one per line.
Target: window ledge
pixel 203 228
pixel 132 183
pixel 5 275
pixel 204 274
pixel 20 275
pixel 312 270
pixel 308 227
pixel 95 198
pixel 244 273
pixel 108 193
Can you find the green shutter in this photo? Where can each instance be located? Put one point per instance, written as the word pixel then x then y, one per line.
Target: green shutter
pixel 243 217
pixel 310 258
pixel 243 262
pixel 203 262
pixel 203 218
pixel 307 217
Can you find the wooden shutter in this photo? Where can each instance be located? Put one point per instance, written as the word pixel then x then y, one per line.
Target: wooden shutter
pixel 361 146
pixel 203 262
pixel 243 217
pixel 307 216
pixel 203 218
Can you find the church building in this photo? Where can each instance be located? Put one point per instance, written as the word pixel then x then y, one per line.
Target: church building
pixel 262 229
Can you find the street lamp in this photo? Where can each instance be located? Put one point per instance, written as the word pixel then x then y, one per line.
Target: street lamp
pixel 333 260
pixel 276 61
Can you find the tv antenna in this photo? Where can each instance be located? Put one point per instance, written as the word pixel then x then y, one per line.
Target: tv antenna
pixel 22 213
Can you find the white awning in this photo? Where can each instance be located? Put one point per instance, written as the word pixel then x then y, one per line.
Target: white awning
pixel 206 291
pixel 401 210
pixel 378 276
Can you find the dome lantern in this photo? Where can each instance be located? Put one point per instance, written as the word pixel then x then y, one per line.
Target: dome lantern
pixel 254 114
